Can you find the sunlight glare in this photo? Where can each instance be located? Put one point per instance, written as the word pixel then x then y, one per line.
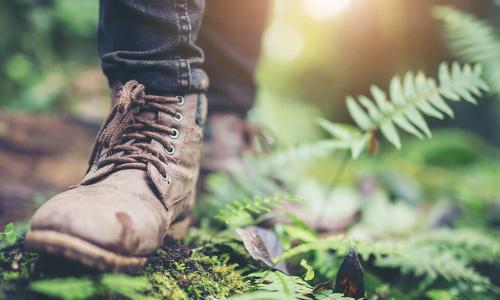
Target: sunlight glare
pixel 282 42
pixel 324 9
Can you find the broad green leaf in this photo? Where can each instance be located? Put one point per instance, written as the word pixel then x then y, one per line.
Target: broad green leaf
pixel 11 238
pixel 65 288
pixel 9 228
pixel 309 270
pixel 132 287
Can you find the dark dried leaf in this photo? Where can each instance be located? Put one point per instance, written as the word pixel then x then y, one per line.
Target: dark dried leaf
pixel 350 277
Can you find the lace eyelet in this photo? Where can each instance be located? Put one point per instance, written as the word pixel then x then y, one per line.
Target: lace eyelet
pixel 175 134
pixel 178 117
pixel 180 100
pixel 165 177
pixel 170 150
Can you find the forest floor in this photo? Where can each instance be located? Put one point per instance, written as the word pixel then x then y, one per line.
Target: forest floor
pixel 423 221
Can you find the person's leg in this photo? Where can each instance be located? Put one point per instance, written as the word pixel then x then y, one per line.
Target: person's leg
pixel 153 42
pixel 231 38
pixel 144 165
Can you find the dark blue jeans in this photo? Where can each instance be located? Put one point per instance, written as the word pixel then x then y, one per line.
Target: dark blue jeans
pixel 174 46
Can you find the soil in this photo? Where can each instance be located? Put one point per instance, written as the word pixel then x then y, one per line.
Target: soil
pixel 40 155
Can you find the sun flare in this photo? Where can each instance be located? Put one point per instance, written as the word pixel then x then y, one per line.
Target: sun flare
pixel 324 9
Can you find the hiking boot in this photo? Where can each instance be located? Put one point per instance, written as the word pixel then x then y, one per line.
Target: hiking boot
pixel 228 137
pixel 140 184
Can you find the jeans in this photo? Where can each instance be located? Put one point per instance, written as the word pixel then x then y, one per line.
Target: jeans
pixel 174 46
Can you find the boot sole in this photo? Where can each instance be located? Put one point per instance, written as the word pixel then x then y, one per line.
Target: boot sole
pixel 90 255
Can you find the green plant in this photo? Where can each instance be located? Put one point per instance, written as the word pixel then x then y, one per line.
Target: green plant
pixel 276 285
pixel 8 234
pixel 235 210
pixel 341 245
pixel 132 287
pixel 472 40
pixel 446 253
pixel 44 44
pixel 65 288
pixel 408 100
pixel 309 275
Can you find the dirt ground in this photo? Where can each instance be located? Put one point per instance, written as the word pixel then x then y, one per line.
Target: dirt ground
pixel 39 156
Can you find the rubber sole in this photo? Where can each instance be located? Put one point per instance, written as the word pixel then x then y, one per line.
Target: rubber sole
pixel 90 255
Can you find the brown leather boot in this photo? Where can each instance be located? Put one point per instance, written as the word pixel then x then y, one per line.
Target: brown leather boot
pixel 228 136
pixel 141 180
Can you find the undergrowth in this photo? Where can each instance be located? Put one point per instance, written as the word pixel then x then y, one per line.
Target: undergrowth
pixel 173 273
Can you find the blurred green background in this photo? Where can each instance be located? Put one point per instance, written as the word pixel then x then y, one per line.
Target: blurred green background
pixel 315 53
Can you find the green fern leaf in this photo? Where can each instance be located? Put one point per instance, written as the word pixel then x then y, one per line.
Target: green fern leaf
pixel 358 114
pixel 276 285
pixel 341 245
pixel 448 254
pixel 409 100
pixel 472 40
pixel 257 205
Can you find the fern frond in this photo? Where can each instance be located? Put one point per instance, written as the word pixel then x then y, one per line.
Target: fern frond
pixel 341 245
pixel 302 153
pixel 329 295
pixel 276 285
pixel 347 137
pixel 413 97
pixel 469 245
pixel 430 262
pixel 409 99
pixel 472 40
pixel 446 253
pixel 255 205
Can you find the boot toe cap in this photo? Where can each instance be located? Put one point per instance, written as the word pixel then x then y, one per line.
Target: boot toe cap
pixel 113 219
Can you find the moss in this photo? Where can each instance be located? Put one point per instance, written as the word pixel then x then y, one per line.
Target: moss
pixel 165 287
pixel 174 273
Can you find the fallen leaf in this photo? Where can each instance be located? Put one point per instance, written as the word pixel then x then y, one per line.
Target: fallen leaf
pixel 350 277
pixel 263 245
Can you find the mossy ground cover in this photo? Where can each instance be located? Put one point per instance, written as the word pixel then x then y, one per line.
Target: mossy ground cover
pixel 173 273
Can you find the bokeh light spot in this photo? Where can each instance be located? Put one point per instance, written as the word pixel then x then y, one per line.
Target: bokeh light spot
pixel 324 9
pixel 282 42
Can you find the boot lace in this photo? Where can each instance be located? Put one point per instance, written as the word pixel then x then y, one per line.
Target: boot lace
pixel 127 135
